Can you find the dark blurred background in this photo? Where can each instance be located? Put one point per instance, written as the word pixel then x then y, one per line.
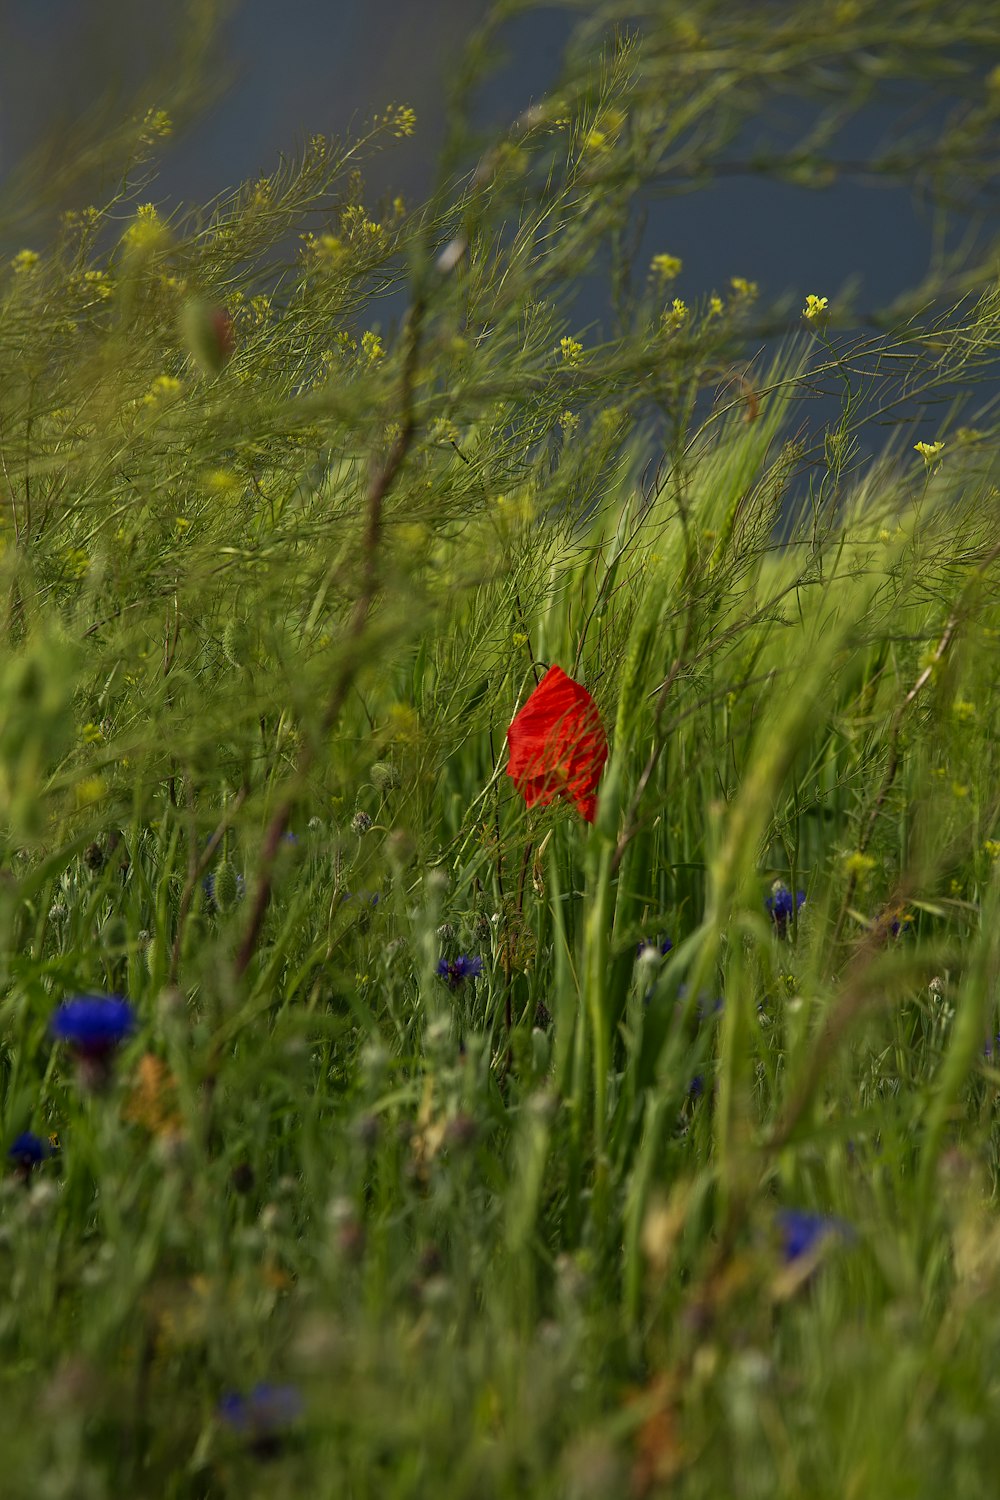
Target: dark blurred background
pixel 296 67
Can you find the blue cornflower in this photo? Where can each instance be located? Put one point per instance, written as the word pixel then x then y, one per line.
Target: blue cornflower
pixel 264 1416
pixel 28 1150
pixel 455 971
pixel 93 1025
pixel 782 904
pixel 801 1232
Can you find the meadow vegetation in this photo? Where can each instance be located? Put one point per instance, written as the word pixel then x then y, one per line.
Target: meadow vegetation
pixel 449 1145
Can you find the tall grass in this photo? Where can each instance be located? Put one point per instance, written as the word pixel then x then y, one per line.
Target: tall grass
pixel 272 592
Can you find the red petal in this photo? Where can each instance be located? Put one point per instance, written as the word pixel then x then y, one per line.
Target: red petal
pixel 557 744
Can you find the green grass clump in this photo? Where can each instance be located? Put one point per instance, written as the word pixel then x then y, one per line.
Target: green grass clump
pixel 457 1147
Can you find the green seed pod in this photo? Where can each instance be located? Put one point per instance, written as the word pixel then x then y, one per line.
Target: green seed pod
pixel 384 777
pixel 114 934
pixel 225 887
pixel 152 955
pixel 231 643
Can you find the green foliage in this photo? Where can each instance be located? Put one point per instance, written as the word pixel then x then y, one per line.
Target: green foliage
pixel 276 575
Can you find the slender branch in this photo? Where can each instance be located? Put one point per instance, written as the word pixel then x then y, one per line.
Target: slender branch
pixel 892 765
pixel 382 479
pixel 195 874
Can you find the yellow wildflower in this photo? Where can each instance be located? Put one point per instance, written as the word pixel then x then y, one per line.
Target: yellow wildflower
pixel 815 307
pixel 675 315
pixel 164 388
pixel 157 123
pixel 666 267
pixel 25 260
pixel 858 866
pixel 929 452
pixel 221 482
pixel 326 250
pixel 401 119
pixel 90 790
pixel 572 352
pixel 77 562
pixel 403 725
pixel 99 283
pixel 147 232
pixel 372 347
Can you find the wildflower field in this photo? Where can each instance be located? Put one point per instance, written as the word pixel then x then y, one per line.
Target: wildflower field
pixel 500 808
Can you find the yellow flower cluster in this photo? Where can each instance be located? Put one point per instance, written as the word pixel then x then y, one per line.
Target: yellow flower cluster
pixel 372 347
pixel 443 430
pixel 675 316
pixel 666 267
pixel 401 119
pixel 89 791
pixel 356 224
pixel 572 352
pixel 222 482
pixel 327 250
pixel 164 388
pixel 815 308
pixel 147 232
pixel 76 562
pixel 98 282
pixel 929 452
pixel 156 125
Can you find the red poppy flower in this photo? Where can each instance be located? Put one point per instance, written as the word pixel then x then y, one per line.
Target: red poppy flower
pixel 557 744
pixel 209 334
